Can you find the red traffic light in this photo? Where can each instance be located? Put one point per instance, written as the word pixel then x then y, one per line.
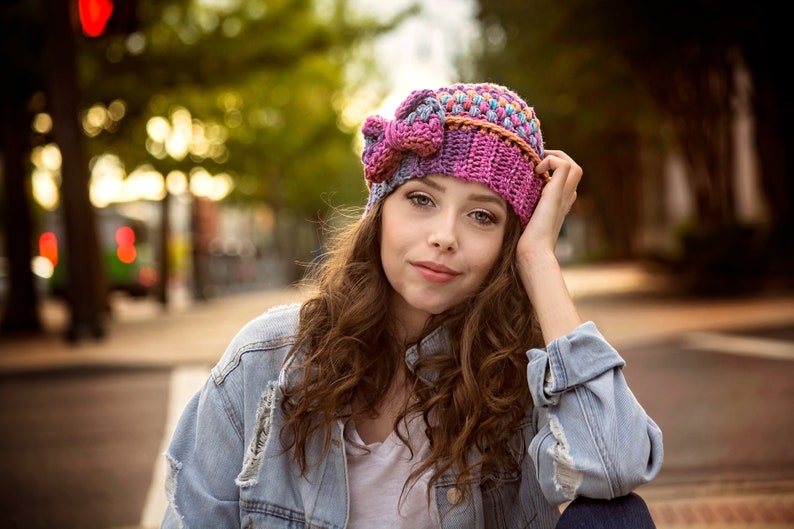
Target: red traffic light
pixel 94 15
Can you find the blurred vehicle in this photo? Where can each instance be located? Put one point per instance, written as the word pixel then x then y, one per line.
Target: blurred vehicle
pixel 127 253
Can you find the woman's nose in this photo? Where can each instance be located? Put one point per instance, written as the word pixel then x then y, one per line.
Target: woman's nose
pixel 443 236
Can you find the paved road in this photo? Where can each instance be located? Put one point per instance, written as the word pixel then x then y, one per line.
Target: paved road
pixel 77 446
pixel 716 375
pixel 725 417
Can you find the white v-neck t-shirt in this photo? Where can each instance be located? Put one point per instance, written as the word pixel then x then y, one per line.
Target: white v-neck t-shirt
pixel 377 473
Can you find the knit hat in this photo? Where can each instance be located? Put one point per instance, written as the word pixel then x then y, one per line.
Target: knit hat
pixel 475 132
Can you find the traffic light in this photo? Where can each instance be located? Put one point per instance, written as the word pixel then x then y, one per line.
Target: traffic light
pixel 94 16
pixel 100 18
pixel 48 247
pixel 125 239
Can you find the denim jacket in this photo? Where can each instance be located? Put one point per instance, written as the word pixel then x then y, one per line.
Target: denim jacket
pixel 585 436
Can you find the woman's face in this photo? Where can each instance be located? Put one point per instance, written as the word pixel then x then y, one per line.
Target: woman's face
pixel 440 237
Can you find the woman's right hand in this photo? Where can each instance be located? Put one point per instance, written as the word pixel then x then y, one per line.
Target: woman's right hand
pixel 555 203
pixel 535 258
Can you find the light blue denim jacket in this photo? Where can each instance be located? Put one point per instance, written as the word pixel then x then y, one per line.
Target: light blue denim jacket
pixel 586 436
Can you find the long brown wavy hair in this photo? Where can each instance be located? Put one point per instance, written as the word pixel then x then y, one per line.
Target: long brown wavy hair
pixel 347 356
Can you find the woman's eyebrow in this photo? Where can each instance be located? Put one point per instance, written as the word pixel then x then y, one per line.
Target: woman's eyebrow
pixel 491 199
pixel 428 180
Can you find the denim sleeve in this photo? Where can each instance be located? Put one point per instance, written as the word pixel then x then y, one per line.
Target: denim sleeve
pixel 203 459
pixel 594 438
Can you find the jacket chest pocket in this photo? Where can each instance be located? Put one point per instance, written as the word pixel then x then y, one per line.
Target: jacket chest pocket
pixel 270 517
pixel 506 504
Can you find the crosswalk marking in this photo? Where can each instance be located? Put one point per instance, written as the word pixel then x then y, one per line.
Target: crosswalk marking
pixel 185 381
pixel 740 345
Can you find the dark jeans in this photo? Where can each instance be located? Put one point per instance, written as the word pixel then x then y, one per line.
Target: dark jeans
pixel 626 512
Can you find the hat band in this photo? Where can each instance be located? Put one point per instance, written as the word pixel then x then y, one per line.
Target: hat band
pixel 486 127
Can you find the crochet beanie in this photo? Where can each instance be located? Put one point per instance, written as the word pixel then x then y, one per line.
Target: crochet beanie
pixel 475 132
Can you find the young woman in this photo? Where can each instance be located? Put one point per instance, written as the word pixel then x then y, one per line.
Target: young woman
pixel 440 375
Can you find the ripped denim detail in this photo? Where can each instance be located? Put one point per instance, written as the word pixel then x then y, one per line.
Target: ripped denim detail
pixel 256 449
pixel 172 472
pixel 566 477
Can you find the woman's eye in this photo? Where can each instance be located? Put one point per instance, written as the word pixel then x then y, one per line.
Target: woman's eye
pixel 420 199
pixel 483 217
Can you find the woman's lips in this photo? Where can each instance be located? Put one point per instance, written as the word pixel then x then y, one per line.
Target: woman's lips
pixel 435 272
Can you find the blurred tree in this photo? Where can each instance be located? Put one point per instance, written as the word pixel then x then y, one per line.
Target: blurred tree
pixel 686 64
pixel 269 77
pixel 86 288
pixel 20 52
pixel 762 33
pixel 39 51
pixel 589 102
pixel 690 64
pixel 592 68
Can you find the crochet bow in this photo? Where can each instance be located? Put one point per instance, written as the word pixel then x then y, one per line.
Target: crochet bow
pixel 418 128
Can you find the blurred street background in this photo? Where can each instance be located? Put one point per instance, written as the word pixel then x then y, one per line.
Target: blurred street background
pixel 83 428
pixel 169 170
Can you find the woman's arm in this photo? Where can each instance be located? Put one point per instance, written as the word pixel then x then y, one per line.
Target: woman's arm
pixel 594 439
pixel 203 460
pixel 537 264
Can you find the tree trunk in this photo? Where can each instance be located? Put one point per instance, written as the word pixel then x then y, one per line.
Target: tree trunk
pixel 774 138
pixel 21 304
pixel 86 284
pixel 774 112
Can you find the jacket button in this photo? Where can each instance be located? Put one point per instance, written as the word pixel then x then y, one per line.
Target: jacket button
pixel 454 495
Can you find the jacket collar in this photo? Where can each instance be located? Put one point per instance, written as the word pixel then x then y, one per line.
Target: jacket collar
pixel 435 343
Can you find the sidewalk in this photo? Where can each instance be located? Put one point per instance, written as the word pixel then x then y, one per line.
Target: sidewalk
pixel 622 299
pixel 143 333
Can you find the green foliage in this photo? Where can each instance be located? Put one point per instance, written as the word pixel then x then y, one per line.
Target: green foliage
pixel 271 76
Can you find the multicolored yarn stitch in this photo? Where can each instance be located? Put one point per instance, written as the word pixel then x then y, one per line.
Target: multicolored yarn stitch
pixel 476 132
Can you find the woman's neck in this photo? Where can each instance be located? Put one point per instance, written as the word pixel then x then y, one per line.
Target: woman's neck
pixel 376 428
pixel 408 322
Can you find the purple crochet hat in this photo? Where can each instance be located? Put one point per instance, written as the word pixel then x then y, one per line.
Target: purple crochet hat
pixel 475 132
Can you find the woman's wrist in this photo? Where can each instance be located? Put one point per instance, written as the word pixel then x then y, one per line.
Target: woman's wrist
pixel 536 265
pixel 545 285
